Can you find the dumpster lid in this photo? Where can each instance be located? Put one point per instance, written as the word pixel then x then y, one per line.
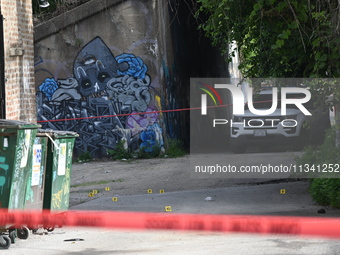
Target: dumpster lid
pixel 17 124
pixel 57 133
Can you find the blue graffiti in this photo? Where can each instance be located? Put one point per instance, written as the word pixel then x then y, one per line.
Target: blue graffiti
pixel 48 87
pixel 150 137
pixel 37 60
pixel 137 68
pixel 102 85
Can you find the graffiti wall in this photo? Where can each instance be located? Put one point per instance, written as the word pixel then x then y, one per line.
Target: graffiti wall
pixel 108 98
pixel 101 76
pixel 110 75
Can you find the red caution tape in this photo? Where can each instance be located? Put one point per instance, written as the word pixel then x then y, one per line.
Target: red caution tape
pixel 302 226
pixel 136 113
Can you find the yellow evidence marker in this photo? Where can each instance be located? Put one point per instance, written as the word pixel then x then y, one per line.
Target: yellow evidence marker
pixel 149 191
pixel 115 199
pixel 168 209
pixel 161 191
pixel 107 188
pixel 91 194
pixel 95 191
pixel 282 191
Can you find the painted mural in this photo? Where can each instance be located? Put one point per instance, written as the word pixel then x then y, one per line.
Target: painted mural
pixel 108 98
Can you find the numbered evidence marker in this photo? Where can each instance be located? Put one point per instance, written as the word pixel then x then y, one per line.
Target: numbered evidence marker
pixel 282 191
pixel 91 194
pixel 161 191
pixel 115 199
pixel 107 188
pixel 149 191
pixel 95 191
pixel 168 209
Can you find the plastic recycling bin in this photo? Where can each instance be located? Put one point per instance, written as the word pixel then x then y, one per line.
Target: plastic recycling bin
pixel 36 178
pixel 58 169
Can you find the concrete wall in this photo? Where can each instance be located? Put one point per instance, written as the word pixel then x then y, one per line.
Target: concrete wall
pixel 107 68
pixel 19 59
pixel 97 65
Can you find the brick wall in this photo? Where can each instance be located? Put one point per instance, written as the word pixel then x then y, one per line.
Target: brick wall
pixel 19 59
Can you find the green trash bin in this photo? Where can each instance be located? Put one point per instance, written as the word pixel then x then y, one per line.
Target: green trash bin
pixel 58 169
pixel 16 142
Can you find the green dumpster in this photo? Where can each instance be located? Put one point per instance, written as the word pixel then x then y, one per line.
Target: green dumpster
pixel 58 169
pixel 16 142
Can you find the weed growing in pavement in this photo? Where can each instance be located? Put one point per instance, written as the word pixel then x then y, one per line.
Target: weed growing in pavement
pixel 119 152
pixel 325 191
pixel 146 153
pixel 175 149
pixel 85 157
